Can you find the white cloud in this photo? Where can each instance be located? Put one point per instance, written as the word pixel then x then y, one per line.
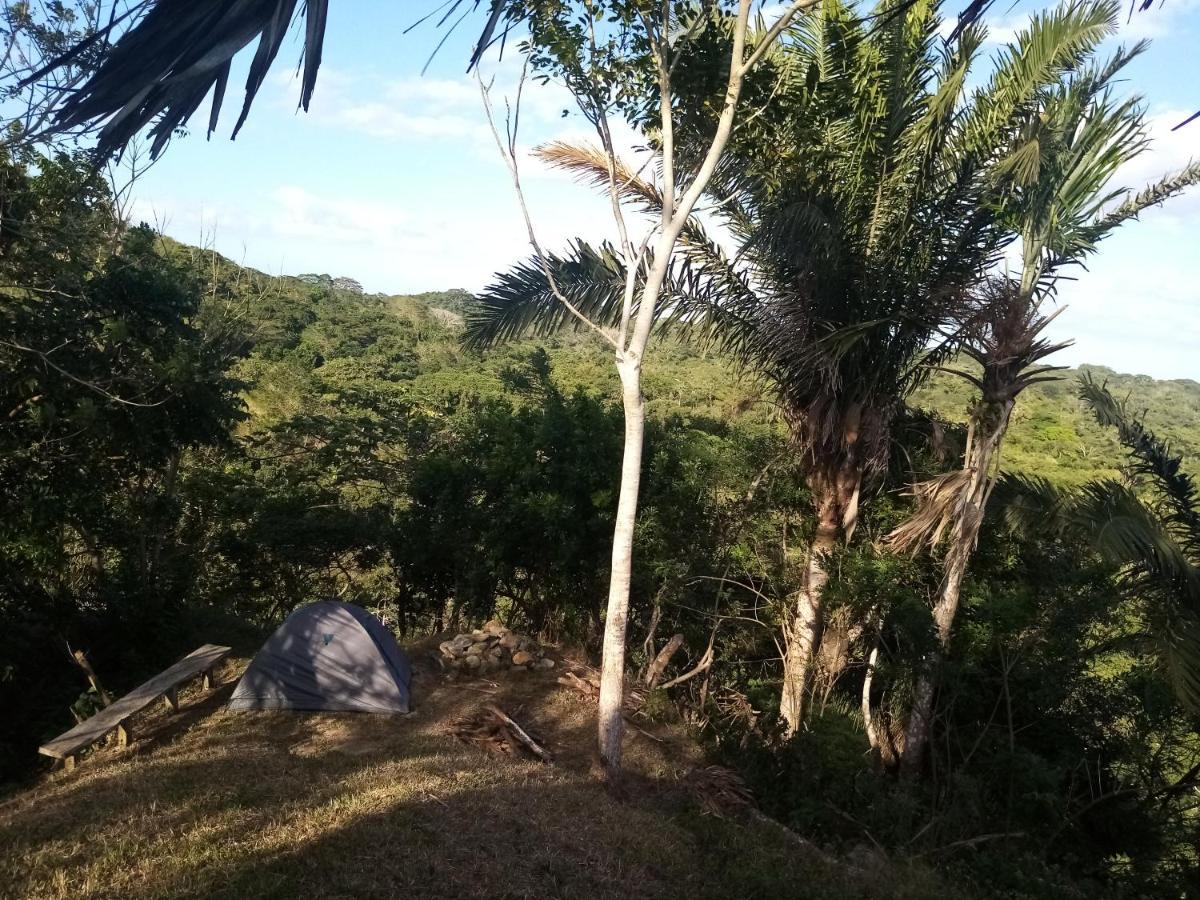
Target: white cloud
pixel 1161 20
pixel 1169 151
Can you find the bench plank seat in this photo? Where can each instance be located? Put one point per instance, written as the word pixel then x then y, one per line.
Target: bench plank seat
pixel 88 732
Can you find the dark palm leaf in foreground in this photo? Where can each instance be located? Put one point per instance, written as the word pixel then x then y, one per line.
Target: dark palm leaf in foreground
pixel 1149 523
pixel 178 51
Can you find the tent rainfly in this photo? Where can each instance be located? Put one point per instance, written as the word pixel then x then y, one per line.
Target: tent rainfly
pixel 327 656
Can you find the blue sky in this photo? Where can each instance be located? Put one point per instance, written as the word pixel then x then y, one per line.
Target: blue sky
pixel 392 178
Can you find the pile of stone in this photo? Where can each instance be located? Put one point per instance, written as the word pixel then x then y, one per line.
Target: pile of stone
pixel 491 649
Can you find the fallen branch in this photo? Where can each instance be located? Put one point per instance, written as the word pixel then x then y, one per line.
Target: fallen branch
pixel 971 842
pixel 82 661
pixel 530 744
pixel 589 686
pixel 704 665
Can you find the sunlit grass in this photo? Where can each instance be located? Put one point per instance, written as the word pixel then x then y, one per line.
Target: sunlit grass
pixel 218 804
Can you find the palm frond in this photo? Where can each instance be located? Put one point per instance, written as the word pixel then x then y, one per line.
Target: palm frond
pixel 522 301
pixel 161 69
pixel 1151 195
pixel 938 505
pixel 1032 506
pixel 1055 42
pixel 590 164
pixel 1154 536
pixel 1151 462
pixel 175 52
pixel 1156 571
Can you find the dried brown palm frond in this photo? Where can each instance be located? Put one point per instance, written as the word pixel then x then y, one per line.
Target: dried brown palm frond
pixel 719 791
pixel 494 731
pixel 590 164
pixel 938 500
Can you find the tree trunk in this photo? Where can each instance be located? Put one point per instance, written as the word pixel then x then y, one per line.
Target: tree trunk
pixel 838 638
pixel 610 725
pixel 802 635
pixel 983 444
pixel 883 752
pixel 835 504
pixel 84 663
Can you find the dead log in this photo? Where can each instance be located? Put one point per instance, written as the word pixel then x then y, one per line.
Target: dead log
pixel 589 686
pixel 661 661
pixel 523 736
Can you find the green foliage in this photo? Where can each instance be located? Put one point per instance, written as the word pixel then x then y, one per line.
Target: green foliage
pixel 109 374
pixel 1149 524
pixel 1054 435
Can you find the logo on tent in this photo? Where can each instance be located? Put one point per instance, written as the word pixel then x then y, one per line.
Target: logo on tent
pixel 328 639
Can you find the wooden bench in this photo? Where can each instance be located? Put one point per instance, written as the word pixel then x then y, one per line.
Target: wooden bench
pixel 116 717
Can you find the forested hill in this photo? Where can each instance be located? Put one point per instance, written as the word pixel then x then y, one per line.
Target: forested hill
pixel 1053 433
pixel 1055 436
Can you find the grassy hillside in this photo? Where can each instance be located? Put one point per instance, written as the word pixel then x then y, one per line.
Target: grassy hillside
pixel 210 803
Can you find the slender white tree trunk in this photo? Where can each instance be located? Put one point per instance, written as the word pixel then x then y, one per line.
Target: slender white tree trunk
pixel 870 725
pixel 631 345
pixel 611 724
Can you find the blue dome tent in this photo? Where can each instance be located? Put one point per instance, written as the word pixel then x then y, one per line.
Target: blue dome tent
pixel 329 656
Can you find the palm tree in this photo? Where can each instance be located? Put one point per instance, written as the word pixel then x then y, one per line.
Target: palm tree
pixel 859 235
pixel 1075 138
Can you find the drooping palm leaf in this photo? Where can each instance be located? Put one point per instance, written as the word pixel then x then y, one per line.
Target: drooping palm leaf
pixel 176 52
pixel 1152 462
pixel 1150 525
pixel 521 300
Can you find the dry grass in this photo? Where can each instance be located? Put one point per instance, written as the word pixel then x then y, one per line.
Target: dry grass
pixel 209 803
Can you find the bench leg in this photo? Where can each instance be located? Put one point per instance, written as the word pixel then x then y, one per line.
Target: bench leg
pixel 172 698
pixel 124 735
pixel 69 763
pixel 210 680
